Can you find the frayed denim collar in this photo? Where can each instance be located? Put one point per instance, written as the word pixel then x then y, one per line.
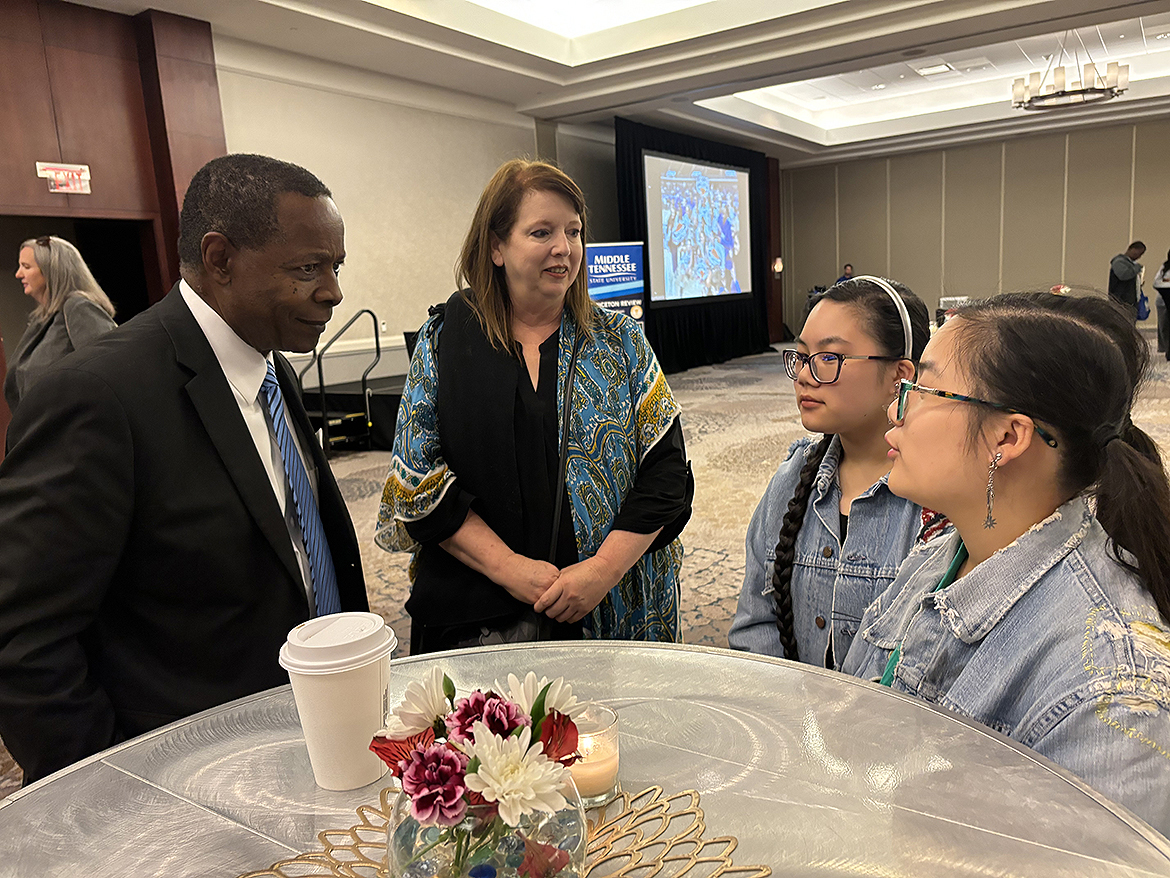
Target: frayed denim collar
pixel 976 603
pixel 827 472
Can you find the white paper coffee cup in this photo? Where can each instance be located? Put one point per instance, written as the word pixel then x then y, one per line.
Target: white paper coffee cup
pixel 339 666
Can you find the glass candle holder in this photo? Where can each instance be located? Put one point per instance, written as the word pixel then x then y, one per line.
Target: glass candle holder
pixel 596 773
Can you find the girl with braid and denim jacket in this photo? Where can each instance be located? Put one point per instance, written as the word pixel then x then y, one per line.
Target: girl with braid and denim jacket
pixel 1043 615
pixel 828 535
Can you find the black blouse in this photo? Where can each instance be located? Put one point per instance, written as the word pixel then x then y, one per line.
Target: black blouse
pixel 660 497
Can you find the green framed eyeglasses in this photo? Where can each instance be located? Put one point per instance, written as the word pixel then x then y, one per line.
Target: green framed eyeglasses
pixel 904 388
pixel 824 366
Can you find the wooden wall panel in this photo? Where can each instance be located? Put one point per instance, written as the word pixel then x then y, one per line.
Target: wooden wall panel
pixel 22 21
pixel 814 235
pixel 861 220
pixel 916 224
pixel 971 235
pixel 71 79
pixel 101 122
pixel 184 117
pixel 1097 217
pixel 1033 212
pixel 82 29
pixel 30 134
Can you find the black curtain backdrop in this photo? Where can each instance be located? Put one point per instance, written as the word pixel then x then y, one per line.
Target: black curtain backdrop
pixel 705 331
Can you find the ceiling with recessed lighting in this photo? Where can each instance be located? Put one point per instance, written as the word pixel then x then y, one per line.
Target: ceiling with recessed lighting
pixel 803 80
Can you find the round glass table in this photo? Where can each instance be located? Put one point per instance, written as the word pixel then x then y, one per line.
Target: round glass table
pixel 815 773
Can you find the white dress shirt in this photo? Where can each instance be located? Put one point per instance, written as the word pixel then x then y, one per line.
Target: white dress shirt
pixel 245 369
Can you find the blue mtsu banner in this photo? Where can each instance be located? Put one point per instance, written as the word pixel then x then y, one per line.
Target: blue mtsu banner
pixel 615 277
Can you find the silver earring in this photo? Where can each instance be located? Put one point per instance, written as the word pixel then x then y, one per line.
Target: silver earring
pixel 989 522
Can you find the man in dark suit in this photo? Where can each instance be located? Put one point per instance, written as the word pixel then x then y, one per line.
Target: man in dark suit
pixel 154 544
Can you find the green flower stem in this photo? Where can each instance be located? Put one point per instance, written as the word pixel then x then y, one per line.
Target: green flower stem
pixel 443 837
pixel 494 836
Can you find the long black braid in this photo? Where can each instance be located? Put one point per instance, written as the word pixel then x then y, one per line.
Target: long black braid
pixel 786 549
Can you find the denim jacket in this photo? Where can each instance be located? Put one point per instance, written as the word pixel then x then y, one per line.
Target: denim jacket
pixel 1050 642
pixel 831 584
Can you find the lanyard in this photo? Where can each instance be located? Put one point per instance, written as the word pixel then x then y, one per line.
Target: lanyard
pixel 948 578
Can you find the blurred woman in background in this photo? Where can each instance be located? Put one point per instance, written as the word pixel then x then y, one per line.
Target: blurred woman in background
pixel 72 311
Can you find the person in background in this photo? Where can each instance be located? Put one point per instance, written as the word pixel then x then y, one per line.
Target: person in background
pixel 828 535
pixel 846 274
pixel 1043 614
pixel 71 312
pixel 1162 288
pixel 539 474
pixel 167 515
pixel 1125 275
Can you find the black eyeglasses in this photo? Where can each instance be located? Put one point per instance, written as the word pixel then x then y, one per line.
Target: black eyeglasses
pixel 824 366
pixel 43 241
pixel 904 388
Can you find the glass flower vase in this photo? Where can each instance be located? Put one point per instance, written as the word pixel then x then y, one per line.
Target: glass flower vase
pixel 483 846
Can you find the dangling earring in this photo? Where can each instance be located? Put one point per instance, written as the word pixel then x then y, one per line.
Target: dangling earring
pixel 989 522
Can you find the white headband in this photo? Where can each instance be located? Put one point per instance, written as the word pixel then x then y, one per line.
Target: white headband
pixel 908 350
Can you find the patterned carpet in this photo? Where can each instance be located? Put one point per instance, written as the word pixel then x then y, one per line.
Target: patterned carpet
pixel 738 418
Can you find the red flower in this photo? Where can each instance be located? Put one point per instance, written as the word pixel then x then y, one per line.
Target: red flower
pixel 434 780
pixel 489 810
pixel 501 716
pixel 558 733
pixel 542 860
pixel 393 753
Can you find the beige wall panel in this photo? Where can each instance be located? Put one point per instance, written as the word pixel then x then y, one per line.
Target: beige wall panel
pixel 405 179
pixel 1033 212
pixel 916 223
pixel 1151 195
pixel 1099 162
pixel 591 164
pixel 814 235
pixel 971 234
pixel 862 221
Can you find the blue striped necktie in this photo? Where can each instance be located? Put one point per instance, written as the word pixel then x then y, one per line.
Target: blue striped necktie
pixel 312 530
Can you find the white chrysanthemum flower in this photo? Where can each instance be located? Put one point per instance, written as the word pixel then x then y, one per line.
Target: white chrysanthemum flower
pixel 422 704
pixel 560 694
pixel 519 779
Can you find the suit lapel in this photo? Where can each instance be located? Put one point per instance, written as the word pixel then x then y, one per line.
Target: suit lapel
pixel 216 406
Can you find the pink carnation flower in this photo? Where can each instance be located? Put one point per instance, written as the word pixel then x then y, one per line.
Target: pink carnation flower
pixel 501 716
pixel 434 780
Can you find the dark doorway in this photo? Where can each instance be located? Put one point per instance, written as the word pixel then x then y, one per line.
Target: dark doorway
pixel 113 251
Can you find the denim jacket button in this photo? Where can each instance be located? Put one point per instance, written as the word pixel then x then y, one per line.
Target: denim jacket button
pixel 827 551
pixel 820 620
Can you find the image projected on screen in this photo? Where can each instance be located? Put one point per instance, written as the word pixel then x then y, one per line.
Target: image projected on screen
pixel 698 229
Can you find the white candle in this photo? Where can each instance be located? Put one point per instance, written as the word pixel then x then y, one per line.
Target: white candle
pixel 595 777
pixel 595 773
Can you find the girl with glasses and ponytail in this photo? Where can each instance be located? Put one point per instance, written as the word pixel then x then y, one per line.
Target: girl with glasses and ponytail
pixel 1043 614
pixel 828 535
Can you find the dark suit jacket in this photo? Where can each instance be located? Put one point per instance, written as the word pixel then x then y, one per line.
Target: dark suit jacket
pixel 146 571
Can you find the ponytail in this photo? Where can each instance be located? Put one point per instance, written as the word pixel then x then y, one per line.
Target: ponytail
pixel 1076 364
pixel 1133 506
pixel 786 549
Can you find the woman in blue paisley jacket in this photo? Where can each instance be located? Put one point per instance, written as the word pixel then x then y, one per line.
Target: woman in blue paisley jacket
pixel 539 475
